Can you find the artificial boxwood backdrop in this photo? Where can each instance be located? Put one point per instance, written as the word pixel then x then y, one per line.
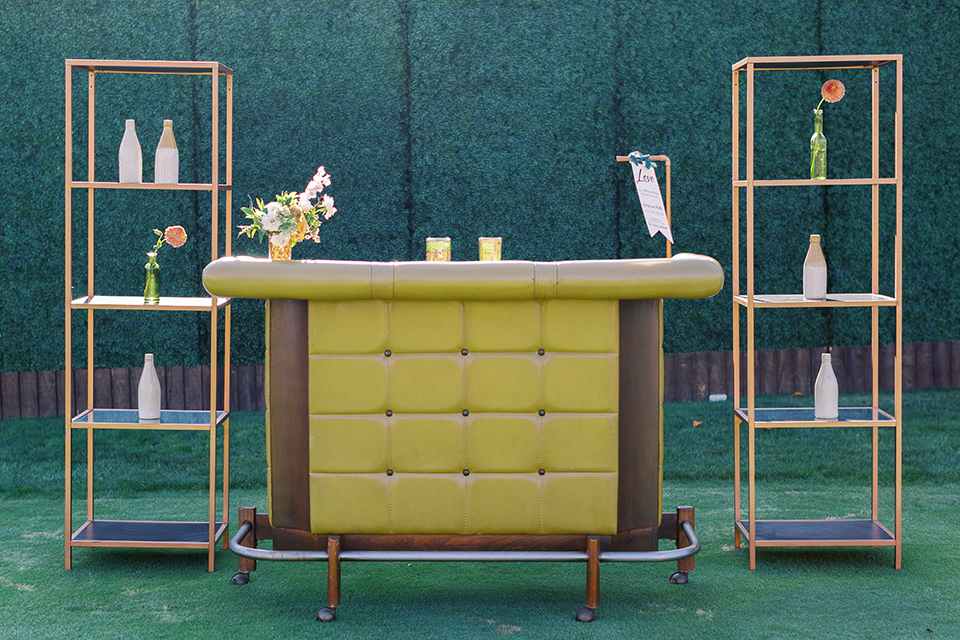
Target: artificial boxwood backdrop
pixel 472 118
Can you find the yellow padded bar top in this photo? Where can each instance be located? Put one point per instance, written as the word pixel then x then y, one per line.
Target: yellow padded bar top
pixel 685 275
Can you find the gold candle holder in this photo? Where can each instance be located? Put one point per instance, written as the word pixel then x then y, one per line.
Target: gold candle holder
pixel 438 249
pixel 490 248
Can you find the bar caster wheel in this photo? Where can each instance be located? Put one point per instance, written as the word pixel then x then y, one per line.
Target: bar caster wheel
pixel 327 614
pixel 242 577
pixel 585 614
pixel 679 577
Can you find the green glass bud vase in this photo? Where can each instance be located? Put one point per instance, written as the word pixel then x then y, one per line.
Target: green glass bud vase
pixel 151 291
pixel 818 148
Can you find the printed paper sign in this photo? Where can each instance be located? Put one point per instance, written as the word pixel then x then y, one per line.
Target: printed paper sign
pixel 648 189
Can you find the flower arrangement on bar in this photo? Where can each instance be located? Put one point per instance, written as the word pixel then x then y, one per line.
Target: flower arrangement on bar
pixel 175 236
pixel 831 91
pixel 291 218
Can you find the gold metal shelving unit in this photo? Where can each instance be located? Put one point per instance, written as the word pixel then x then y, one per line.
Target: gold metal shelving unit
pixel 132 533
pixel 825 532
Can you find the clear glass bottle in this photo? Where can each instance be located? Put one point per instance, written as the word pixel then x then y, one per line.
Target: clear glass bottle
pixel 818 148
pixel 148 391
pixel 151 290
pixel 166 168
pixel 826 394
pixel 815 272
pixel 129 156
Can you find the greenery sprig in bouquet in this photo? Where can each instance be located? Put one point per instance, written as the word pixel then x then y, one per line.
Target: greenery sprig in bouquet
pixel 293 216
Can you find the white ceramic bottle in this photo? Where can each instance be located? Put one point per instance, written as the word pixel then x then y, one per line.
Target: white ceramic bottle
pixel 826 394
pixel 166 169
pixel 130 157
pixel 815 272
pixel 148 392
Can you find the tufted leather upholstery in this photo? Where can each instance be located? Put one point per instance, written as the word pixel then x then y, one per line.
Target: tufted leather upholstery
pixel 452 414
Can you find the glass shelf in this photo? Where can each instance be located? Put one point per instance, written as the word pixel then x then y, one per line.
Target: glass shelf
pixel 132 533
pixel 815 183
pixel 775 418
pixel 833 300
pixel 167 303
pixel 818 533
pixel 172 419
pixel 180 186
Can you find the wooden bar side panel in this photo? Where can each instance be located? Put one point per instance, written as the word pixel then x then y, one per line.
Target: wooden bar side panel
pixel 638 491
pixel 289 414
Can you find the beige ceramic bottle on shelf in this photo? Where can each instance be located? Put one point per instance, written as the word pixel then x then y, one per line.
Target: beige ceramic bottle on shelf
pixel 130 157
pixel 167 165
pixel 815 272
pixel 148 392
pixel 826 394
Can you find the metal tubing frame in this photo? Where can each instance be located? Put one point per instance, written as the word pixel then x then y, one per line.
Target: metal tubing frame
pixel 748 183
pixel 92 67
pixel 667 555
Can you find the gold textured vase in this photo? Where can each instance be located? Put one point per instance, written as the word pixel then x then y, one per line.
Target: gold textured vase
pixel 280 253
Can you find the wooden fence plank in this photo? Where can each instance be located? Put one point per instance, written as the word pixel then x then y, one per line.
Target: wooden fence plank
pixel 955 364
pixel 205 384
pixel 743 373
pixel 193 389
pixel 79 390
pixel 887 354
pixel 133 385
pixel 219 399
pixel 941 365
pixel 234 386
pixel 47 393
pixel 717 371
pixel 28 395
pixel 924 364
pixel 10 394
pixel 61 394
pixel 261 388
pixel 102 388
pixel 801 364
pixel 768 372
pixel 120 388
pixel 669 377
pixel 909 365
pixel 684 377
pixel 854 363
pixel 786 371
pixel 728 375
pixel 700 373
pixel 175 393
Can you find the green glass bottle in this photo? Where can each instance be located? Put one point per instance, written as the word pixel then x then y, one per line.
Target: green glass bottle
pixel 818 148
pixel 151 292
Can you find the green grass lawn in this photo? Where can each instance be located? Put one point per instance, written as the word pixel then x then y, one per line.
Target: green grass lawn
pixel 795 593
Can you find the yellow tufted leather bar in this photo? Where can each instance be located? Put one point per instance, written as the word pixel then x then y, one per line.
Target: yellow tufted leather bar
pixel 465 397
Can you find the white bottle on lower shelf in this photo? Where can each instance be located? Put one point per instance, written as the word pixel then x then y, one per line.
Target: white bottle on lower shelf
pixel 815 272
pixel 826 394
pixel 148 392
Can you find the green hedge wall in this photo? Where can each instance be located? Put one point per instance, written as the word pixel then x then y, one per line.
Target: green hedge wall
pixel 470 118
